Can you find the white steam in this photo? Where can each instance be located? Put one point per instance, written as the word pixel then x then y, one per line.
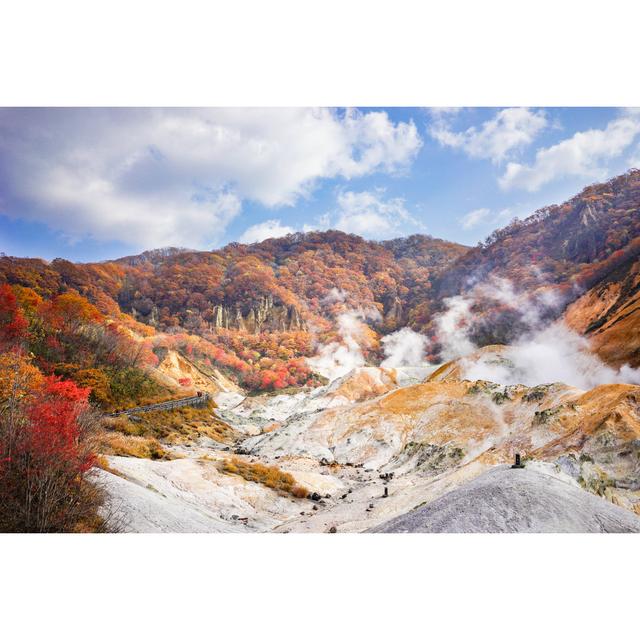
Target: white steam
pixel 452 328
pixel 404 348
pixel 336 359
pixel 544 354
pixel 335 295
pixel 554 354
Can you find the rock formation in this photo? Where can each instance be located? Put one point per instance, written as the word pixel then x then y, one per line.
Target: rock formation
pixel 264 316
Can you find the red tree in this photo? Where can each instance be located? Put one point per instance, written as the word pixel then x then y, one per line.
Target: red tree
pixel 53 430
pixel 13 324
pixel 46 450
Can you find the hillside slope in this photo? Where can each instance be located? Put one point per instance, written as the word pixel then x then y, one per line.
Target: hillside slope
pixel 574 242
pixel 505 500
pixel 609 315
pixel 589 243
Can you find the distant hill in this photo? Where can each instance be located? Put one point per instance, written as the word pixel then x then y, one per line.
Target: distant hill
pixel 585 248
pixel 279 284
pixel 154 256
pixel 589 242
pixel 575 242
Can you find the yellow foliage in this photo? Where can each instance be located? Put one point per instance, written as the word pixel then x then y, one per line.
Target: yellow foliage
pixel 271 477
pixel 27 298
pixel 184 424
pixel 18 376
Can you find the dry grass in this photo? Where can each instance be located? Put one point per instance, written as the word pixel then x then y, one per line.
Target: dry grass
pixel 271 477
pixel 118 444
pixel 181 425
pixel 142 435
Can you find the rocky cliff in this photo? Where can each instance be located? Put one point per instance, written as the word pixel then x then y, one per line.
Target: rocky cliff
pixel 264 316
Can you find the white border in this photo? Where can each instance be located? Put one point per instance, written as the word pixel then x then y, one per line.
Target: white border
pixel 319 586
pixel 335 52
pixel 279 52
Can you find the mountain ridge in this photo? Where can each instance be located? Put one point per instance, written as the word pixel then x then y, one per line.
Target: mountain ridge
pixel 301 283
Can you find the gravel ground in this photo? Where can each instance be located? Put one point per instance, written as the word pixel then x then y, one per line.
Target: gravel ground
pixel 505 500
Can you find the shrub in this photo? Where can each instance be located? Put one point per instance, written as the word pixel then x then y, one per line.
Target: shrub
pixel 97 381
pixel 129 385
pixel 13 325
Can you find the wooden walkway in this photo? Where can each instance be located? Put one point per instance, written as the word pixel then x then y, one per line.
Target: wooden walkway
pixel 191 401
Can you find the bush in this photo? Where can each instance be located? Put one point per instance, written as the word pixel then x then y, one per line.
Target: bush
pixel 129 385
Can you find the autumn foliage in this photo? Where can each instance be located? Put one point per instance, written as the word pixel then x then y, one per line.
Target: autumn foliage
pixel 13 325
pixel 108 325
pixel 80 338
pixel 269 476
pixel 46 452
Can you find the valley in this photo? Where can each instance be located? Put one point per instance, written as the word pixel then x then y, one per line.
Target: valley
pixel 352 383
pixel 376 444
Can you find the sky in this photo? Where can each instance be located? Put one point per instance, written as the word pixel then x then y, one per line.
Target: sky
pixel 90 184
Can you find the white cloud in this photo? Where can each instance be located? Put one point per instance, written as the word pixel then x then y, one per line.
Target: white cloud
pixel 178 176
pixel 582 155
pixel 368 214
pixel 510 129
pixel 438 112
pixel 474 218
pixel 263 230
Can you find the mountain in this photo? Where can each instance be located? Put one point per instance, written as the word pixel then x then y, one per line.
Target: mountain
pixel 254 311
pixel 270 302
pixel 575 243
pixel 285 283
pixel 279 448
pixel 279 284
pixel 549 260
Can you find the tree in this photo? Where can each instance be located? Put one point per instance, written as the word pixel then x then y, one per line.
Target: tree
pixel 70 310
pixel 47 449
pixel 13 324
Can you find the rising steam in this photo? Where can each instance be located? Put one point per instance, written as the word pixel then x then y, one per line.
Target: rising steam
pixel 336 359
pixel 543 354
pixel 404 348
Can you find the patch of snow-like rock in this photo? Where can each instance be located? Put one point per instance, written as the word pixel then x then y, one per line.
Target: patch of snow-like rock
pixel 192 495
pixel 407 376
pixel 251 415
pixel 228 399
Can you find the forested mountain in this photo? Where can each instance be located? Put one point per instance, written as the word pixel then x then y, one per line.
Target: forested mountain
pixel 249 284
pixel 559 253
pixel 576 242
pixel 257 310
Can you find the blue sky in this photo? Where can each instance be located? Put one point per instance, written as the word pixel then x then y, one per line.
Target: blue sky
pixel 94 184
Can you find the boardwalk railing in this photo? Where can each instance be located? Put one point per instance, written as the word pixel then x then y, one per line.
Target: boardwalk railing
pixel 165 406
